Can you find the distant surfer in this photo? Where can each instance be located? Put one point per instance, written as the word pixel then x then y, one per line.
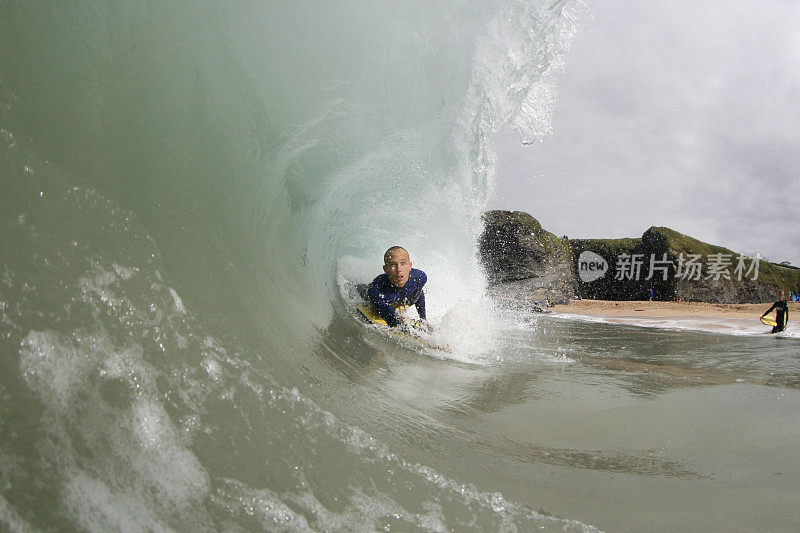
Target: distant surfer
pixel 781 313
pixel 399 287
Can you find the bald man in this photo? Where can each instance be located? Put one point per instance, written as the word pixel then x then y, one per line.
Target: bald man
pixel 399 286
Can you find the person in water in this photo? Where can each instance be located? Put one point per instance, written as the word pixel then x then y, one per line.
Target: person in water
pixel 781 313
pixel 400 286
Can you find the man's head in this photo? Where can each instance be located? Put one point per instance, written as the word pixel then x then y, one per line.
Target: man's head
pixel 397 265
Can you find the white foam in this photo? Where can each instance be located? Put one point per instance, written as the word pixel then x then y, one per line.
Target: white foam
pixel 180 340
pixel 10 519
pixel 146 465
pixel 263 504
pixel 472 330
pixel 212 368
pixel 95 506
pixel 125 273
pixel 51 368
pixel 723 325
pixel 363 513
pixel 162 459
pixel 178 303
pixel 124 364
pixel 97 283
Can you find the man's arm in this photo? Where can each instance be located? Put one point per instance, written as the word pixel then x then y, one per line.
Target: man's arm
pixel 770 309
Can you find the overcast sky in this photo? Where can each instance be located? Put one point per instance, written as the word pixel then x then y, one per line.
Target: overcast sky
pixel 683 114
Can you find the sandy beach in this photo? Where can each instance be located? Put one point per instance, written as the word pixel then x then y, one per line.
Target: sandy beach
pixel 668 309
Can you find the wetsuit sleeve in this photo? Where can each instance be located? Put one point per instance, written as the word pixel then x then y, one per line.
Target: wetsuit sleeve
pixel 420 302
pixel 770 309
pixel 384 308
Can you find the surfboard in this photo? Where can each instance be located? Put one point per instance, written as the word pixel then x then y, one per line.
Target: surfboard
pixel 768 321
pixel 368 312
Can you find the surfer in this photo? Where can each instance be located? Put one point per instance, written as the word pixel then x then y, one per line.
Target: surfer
pixel 400 286
pixel 781 313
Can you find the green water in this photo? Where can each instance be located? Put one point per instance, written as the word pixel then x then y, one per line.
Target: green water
pixel 189 193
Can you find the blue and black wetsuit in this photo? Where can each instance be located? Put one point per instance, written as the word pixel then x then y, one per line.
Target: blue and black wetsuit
pixel 387 298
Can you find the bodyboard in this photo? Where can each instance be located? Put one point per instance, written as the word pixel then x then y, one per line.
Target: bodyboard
pixel 373 317
pixel 768 321
pixel 369 313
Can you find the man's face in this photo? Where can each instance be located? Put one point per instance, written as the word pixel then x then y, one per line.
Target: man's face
pixel 397 267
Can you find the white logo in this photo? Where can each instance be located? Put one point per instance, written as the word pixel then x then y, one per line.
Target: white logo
pixel 591 266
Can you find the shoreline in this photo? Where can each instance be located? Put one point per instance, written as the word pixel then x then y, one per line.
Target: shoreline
pixel 668 309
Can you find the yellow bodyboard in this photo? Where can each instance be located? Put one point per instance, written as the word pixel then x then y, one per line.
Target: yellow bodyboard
pixel 768 321
pixel 368 312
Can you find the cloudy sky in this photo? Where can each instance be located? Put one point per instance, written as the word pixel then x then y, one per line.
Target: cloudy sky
pixel 682 114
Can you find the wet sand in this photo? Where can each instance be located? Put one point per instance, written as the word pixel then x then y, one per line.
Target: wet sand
pixel 668 309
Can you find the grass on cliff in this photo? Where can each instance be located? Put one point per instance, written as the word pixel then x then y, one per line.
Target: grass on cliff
pixel 607 246
pixel 550 243
pixel 769 273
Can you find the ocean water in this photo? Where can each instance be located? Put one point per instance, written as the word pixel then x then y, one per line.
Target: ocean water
pixel 189 193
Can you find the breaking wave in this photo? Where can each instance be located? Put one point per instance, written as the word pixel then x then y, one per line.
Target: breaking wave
pixel 188 193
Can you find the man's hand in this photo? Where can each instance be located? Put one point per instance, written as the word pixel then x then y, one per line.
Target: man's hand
pixel 413 325
pixel 422 325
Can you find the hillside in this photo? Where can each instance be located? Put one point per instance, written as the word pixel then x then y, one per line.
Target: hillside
pixel 523 259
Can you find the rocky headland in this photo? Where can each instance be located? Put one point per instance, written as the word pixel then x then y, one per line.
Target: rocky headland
pixel 526 263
